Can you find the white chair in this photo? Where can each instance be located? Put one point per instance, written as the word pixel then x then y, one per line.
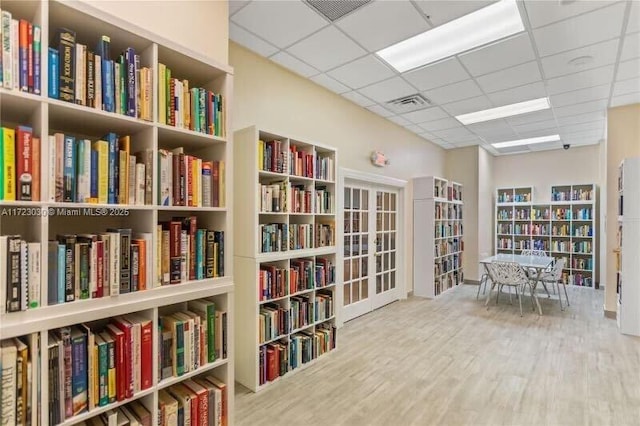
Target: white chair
pixel 509 274
pixel 554 277
pixel 533 272
pixel 483 284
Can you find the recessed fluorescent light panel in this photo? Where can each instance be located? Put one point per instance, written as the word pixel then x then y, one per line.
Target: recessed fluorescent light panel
pixel 529 141
pixel 483 26
pixel 504 111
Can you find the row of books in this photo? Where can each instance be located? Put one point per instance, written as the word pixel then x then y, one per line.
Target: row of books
pixel 504 243
pixel 447 230
pixel 271 156
pixel 287 198
pixel 92 266
pixel 188 252
pixel 573 195
pixel 584 247
pixel 278 358
pixel 585 264
pixel 273 320
pixel 578 279
pixel 448 281
pixel 19 377
pixel 201 401
pixel 447 212
pixel 325 168
pixel 454 193
pixel 193 108
pixel 560 230
pixel 19 164
pixel 20 265
pixel 92 78
pixel 300 162
pixel 92 366
pixel 301 311
pixel 274 282
pixel 505 214
pixel 186 180
pixel 20 61
pixel 192 338
pixel 132 414
pixel 583 231
pixel 507 197
pixel 448 247
pixel 105 171
pixel 300 236
pixel 532 245
pixel 447 264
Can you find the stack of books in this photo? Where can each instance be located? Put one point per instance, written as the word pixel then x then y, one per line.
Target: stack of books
pixel 20 60
pixel 19 164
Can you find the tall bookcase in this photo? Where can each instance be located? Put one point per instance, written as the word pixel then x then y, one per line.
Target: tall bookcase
pixel 628 288
pixel 41 221
pixel 565 227
pixel 438 236
pixel 285 274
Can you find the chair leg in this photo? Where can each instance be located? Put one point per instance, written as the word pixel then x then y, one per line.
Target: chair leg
pixel 533 306
pixel 498 295
pixel 519 294
pixel 565 292
pixel 559 296
pixel 483 280
pixel 545 288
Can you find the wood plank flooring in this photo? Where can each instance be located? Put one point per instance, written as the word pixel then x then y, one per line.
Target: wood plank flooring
pixel 451 361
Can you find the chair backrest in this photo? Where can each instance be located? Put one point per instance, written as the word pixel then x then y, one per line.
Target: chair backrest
pixel 508 273
pixel 557 269
pixel 526 252
pixel 540 253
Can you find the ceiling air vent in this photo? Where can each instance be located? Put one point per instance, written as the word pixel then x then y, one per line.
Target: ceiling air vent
pixel 336 9
pixel 408 103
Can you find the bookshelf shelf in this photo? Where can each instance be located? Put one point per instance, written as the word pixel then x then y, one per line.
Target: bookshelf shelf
pixel 437 210
pixel 550 226
pixel 297 271
pixel 47 116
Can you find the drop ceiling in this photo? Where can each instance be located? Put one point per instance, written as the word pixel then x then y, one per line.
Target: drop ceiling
pixel 583 55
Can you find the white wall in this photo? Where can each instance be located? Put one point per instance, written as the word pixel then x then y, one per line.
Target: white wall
pixel 271 97
pixel 486 188
pixel 201 25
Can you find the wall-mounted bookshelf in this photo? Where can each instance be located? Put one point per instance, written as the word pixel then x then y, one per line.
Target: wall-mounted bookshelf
pixel 438 235
pixel 565 227
pixel 285 256
pixel 92 246
pixel 628 267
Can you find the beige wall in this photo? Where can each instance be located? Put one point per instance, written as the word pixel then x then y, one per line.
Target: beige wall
pixel 462 167
pixel 623 140
pixel 271 97
pixel 201 25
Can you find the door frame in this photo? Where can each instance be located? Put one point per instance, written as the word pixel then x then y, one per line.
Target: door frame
pixel 399 185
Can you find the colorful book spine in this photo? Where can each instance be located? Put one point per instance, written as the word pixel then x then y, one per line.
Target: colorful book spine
pixel 65 40
pixel 37 60
pixel 9 163
pixel 53 85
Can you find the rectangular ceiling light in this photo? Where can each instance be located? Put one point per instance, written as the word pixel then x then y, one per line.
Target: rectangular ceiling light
pixel 504 111
pixel 529 141
pixel 491 23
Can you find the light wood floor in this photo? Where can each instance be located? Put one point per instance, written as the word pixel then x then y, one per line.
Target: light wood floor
pixel 452 362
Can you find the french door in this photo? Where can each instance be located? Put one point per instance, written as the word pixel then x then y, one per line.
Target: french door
pixel 370 220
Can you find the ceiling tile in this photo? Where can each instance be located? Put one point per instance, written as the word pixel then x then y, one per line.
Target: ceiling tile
pixel 590 28
pixel 545 12
pixel 582 118
pixel 510 77
pixel 326 49
pixel 294 64
pixel 235 5
pixel 628 69
pixel 362 72
pixel 423 115
pixel 604 53
pixel 634 18
pixel 388 90
pixel 427 135
pixel 441 12
pixel 457 134
pixel 580 80
pixel 589 134
pixel 493 133
pixel 279 22
pixel 630 47
pixel 597 125
pixel 371 27
pixel 501 54
pixel 441 143
pixel 399 120
pixel 478 103
pixel 532 117
pixel 380 110
pixel 330 83
pixel 545 146
pixel 581 95
pixel 250 41
pixel 415 129
pixel 581 108
pixel 627 86
pixel 535 126
pixel 436 75
pixel 537 133
pixel 443 123
pixel 468 142
pixel 628 99
pixel 453 92
pixel 518 94
pixel 358 98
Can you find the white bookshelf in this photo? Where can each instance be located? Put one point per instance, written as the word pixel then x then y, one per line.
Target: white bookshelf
pixel 249 256
pixel 564 227
pixel 47 116
pixel 438 236
pixel 628 288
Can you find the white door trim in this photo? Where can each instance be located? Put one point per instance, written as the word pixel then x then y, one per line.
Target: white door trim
pixel 373 179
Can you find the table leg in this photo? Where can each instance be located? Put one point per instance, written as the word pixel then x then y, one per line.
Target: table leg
pixel 535 296
pixel 493 283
